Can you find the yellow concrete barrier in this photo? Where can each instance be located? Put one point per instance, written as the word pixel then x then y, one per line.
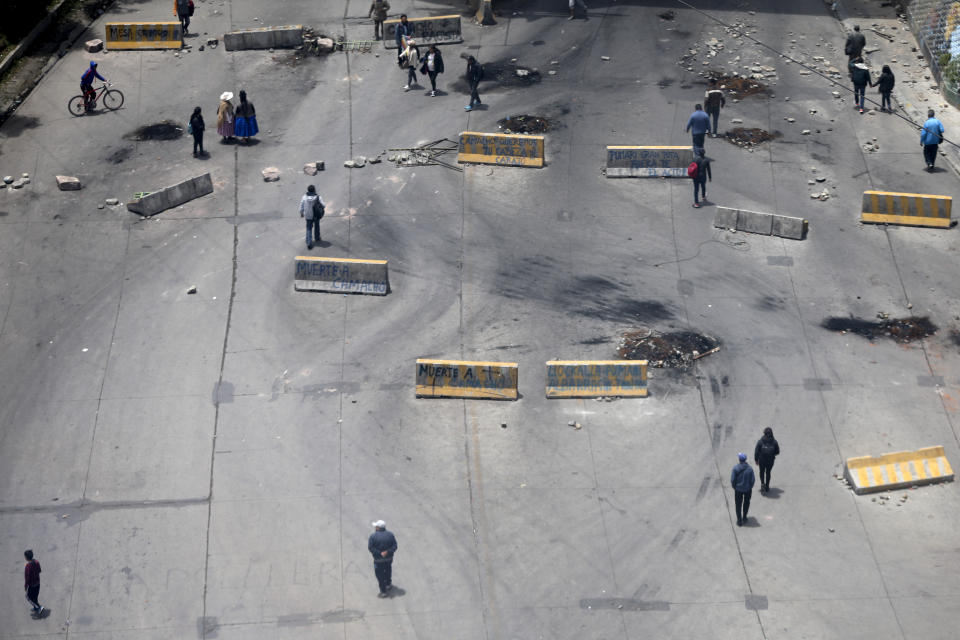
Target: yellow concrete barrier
pixel 648 162
pixel 340 275
pixel 592 378
pixel 463 379
pixel 897 470
pixel 917 209
pixel 143 35
pixel 500 148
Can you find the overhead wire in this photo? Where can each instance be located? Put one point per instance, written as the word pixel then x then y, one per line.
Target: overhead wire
pixel 787 56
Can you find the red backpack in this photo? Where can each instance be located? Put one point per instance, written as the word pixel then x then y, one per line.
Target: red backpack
pixel 693 169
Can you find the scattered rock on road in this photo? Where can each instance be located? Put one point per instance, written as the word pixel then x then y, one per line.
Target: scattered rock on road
pixel 113 201
pixel 68 183
pixel 92 46
pixel 271 174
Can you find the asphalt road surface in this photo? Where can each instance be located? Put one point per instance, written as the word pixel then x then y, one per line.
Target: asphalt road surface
pixel 207 465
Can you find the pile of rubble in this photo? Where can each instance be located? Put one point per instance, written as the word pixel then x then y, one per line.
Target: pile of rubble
pixel 749 138
pixel 676 350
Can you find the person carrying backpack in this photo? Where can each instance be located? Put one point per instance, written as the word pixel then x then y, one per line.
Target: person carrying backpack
pixel 312 209
pixel 699 170
pixel 474 76
pixel 766 450
pixel 884 85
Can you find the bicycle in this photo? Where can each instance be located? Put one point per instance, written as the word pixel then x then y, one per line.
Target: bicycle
pixel 112 99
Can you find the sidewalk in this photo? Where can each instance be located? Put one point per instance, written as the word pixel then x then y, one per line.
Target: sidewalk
pixel 916 90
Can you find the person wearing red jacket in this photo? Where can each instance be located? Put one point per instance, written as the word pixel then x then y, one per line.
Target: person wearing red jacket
pixel 31 582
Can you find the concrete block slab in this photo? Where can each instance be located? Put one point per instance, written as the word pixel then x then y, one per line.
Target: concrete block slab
pixel 789 227
pixel 754 222
pixel 68 183
pixel 92 46
pixel 725 218
pixel 173 196
pixel 285 37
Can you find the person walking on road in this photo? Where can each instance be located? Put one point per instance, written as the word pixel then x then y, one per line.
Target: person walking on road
pixel 700 176
pixel 698 125
pixel 432 65
pixel 225 116
pixel 404 31
pixel 714 101
pixel 860 75
pixel 583 7
pixel 312 209
pixel 183 9
pixel 742 479
pixel 196 128
pixel 31 583
pixel 930 138
pixel 763 455
pixel 474 76
pixel 855 43
pixel 382 545
pixel 245 120
pixel 885 85
pixel 410 60
pixel 378 11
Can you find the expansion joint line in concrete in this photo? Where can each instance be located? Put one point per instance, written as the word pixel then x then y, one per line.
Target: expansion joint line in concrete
pixel 223 361
pixel 346 313
pixel 836 446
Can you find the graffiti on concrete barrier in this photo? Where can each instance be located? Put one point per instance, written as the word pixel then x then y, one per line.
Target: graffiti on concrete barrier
pixel 161 32
pixel 439 30
pixel 646 158
pixel 346 277
pixel 598 378
pixel 465 376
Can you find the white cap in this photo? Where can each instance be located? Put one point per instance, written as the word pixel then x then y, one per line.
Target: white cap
pixel 379 524
pixel 226 95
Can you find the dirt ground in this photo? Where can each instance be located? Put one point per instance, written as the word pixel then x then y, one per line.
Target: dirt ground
pixel 20 79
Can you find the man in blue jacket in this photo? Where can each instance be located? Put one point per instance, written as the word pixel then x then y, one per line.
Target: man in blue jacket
pixel 698 125
pixel 930 138
pixel 86 83
pixel 742 479
pixel 382 545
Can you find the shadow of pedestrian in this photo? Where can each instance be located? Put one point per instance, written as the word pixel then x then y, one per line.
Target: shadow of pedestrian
pixel 396 592
pixel 773 493
pixel 43 614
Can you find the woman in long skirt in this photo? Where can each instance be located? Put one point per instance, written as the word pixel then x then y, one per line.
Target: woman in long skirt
pixel 245 124
pixel 225 116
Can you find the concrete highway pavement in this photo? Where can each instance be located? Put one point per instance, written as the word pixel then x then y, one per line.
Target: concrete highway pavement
pixel 208 465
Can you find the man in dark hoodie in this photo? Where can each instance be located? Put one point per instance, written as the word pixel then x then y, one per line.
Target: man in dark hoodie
pixel 763 455
pixel 860 75
pixel 742 479
pixel 700 179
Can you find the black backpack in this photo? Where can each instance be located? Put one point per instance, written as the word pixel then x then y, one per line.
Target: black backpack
pixel 318 209
pixel 767 449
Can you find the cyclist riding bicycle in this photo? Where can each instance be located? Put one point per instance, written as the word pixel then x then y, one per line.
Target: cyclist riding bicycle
pixel 86 83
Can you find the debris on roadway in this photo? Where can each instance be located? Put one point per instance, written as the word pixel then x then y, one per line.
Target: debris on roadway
pixel 675 350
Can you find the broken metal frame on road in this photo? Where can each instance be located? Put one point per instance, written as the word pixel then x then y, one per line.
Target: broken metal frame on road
pixel 426 154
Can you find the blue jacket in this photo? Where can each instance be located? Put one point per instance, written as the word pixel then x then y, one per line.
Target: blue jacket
pixel 741 478
pixel 932 130
pixel 382 541
pixel 89 75
pixel 403 30
pixel 699 121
